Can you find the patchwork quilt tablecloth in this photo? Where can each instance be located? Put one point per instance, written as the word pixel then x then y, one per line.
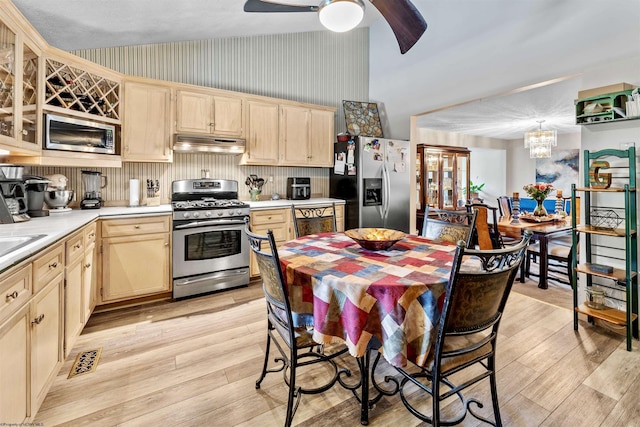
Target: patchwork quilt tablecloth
pixel 354 294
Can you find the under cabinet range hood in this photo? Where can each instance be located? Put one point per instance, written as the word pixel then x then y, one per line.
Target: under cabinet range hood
pixel 186 143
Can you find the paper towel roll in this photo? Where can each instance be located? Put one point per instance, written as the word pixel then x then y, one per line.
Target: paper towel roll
pixel 134 192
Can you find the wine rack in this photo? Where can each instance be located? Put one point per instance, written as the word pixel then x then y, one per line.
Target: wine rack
pixel 75 89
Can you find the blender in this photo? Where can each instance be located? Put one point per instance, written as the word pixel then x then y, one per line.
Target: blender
pixel 93 181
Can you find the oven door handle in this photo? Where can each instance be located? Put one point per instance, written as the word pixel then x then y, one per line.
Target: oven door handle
pixel 197 224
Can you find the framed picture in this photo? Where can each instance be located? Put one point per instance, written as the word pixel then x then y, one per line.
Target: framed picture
pixel 362 118
pixel 561 169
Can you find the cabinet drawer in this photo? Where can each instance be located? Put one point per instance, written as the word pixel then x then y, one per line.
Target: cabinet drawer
pixel 74 248
pixel 90 234
pixel 133 226
pixel 15 290
pixel 280 233
pixel 47 266
pixel 269 217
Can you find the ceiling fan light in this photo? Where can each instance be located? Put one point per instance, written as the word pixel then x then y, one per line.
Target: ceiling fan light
pixel 341 15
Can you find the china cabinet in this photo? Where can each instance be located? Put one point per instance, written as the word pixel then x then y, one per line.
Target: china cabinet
pixel 442 178
pixel 610 257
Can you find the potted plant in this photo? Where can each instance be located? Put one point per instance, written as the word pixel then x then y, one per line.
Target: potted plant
pixel 474 189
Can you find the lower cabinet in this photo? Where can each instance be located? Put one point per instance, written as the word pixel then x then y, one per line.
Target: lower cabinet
pixel 136 257
pixel 14 369
pixel 46 319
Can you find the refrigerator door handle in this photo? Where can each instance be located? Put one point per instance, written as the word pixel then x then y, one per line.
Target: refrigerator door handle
pixel 385 192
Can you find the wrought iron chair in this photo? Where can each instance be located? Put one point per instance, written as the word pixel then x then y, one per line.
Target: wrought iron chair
pixel 488 234
pixel 313 220
pixel 289 336
pixel 467 332
pixel 450 226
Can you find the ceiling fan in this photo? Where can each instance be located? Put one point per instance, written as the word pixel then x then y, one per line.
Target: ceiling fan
pixel 405 20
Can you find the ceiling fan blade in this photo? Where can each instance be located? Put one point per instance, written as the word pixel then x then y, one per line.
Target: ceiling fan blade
pixel 267 6
pixel 405 21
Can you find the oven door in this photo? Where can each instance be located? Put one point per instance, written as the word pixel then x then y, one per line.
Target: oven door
pixel 209 246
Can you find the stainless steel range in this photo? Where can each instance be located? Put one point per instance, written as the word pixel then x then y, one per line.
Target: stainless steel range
pixel 210 249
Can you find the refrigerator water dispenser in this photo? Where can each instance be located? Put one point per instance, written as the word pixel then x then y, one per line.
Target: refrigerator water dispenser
pixel 372 191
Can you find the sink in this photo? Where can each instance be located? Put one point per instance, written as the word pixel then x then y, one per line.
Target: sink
pixel 9 244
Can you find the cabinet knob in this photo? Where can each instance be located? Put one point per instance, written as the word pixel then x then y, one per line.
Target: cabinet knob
pixel 77 246
pixel 136 226
pixel 166 244
pixel 88 265
pixel 12 295
pixel 38 320
pixel 53 265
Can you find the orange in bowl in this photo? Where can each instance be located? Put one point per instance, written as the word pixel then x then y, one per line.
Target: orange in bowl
pixel 375 239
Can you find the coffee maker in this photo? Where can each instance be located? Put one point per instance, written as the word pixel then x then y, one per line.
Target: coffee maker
pixel 13 201
pixel 93 182
pixel 36 187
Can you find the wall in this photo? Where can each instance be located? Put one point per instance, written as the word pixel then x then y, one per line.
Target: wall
pixel 304 67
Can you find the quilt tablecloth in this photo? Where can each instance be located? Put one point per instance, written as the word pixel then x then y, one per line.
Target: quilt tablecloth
pixel 354 294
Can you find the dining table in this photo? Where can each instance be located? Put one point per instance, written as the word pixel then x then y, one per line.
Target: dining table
pixel 543 232
pixel 392 297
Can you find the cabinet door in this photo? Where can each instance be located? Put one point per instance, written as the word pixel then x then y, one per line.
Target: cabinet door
pixel 321 145
pixel 8 80
pixel 46 338
pixel 134 266
pixel 227 116
pixel 294 135
pixel 30 133
pixel 276 220
pixel 14 369
pixel 194 112
pixel 73 301
pixel 262 141
pixel 89 271
pixel 147 118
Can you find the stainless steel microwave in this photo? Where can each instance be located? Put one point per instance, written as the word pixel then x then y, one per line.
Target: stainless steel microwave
pixel 70 134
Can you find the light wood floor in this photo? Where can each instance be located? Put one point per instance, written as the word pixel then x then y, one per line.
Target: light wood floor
pixel 195 362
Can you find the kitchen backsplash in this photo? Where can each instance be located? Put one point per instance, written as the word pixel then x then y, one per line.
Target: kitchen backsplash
pixel 188 166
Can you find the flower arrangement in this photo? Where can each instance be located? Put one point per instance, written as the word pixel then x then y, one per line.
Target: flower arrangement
pixel 538 191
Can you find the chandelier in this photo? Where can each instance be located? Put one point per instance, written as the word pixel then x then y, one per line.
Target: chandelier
pixel 539 142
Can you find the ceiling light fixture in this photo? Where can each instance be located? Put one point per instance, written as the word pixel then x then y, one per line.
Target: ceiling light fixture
pixel 539 142
pixel 341 15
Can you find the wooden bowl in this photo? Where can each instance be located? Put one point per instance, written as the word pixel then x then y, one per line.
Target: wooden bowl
pixel 375 239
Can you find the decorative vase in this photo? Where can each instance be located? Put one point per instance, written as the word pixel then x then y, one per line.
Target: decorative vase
pixel 539 210
pixel 255 194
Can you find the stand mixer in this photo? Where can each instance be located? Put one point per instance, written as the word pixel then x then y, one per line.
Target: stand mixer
pixel 93 182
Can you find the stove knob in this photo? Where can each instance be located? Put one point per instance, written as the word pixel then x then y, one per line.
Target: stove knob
pixel 196 214
pixel 238 212
pixel 220 213
pixel 186 215
pixel 207 214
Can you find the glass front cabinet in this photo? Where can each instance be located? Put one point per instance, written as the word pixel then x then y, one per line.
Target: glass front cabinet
pixel 442 178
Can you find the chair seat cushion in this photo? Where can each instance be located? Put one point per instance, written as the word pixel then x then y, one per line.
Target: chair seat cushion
pixel 458 342
pixel 553 249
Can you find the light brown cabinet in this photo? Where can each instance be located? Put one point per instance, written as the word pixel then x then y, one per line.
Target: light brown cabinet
pixel 306 136
pixel 208 113
pixel 262 139
pixel 19 59
pixel 146 135
pixel 135 257
pixel 79 293
pixel 15 367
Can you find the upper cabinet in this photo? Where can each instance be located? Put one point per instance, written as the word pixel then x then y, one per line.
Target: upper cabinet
pixel 306 136
pixel 76 87
pixel 209 114
pixel 19 118
pixel 146 135
pixel 262 135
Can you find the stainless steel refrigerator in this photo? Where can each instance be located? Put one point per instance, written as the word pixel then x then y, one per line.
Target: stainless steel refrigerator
pixel 372 175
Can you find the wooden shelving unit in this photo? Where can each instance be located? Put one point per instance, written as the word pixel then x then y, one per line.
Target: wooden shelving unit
pixel 600 242
pixel 611 107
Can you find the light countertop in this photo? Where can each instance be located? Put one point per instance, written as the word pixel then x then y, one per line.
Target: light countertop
pixel 58 225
